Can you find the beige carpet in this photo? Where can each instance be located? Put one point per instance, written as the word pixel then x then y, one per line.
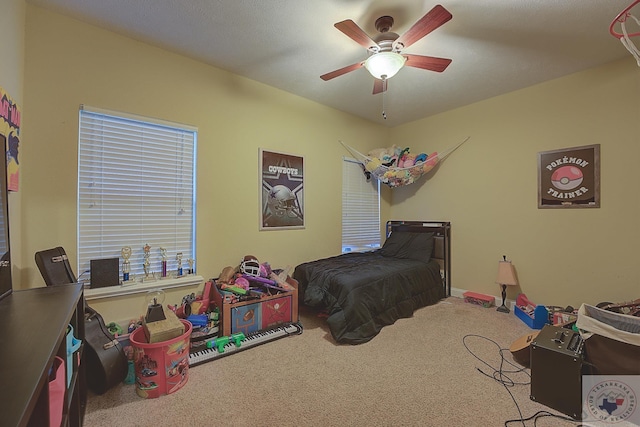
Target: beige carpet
pixel 421 371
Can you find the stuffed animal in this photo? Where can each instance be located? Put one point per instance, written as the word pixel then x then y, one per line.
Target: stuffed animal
pixel 384 154
pixel 388 160
pixel 377 153
pixel 373 164
pixel 432 160
pixel 416 172
pixel 409 160
pixel 226 275
pixel 388 175
pixel 401 152
pixel 402 157
pixel 265 269
pixel 421 158
pixel 241 282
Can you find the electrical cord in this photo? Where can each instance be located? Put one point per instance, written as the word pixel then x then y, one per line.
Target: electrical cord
pixel 84 280
pixel 542 414
pixel 500 375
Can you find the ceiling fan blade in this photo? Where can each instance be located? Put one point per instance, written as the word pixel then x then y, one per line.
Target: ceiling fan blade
pixel 341 71
pixel 429 22
pixel 379 86
pixel 356 33
pixel 427 62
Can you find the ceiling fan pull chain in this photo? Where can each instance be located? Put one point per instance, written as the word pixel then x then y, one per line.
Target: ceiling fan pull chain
pixel 384 114
pixel 384 94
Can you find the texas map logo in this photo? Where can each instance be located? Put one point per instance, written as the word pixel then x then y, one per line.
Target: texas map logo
pixel 611 402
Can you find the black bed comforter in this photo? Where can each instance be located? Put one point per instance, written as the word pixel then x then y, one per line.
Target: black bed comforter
pixel 363 292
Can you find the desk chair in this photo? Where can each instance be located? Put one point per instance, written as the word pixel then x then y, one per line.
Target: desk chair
pixel 105 361
pixel 54 266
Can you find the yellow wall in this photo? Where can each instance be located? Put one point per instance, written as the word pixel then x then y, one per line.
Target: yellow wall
pixel 12 56
pixel 488 188
pixel 69 63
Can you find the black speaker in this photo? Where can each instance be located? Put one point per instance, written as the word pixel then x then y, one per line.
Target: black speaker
pixel 104 272
pixel 556 370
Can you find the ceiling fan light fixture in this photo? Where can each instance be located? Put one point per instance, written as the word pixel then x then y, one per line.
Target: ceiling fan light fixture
pixel 384 65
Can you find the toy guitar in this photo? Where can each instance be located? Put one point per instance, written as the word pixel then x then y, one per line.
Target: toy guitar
pixel 520 348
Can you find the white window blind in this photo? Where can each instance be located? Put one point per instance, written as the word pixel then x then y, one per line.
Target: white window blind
pixel 360 209
pixel 136 186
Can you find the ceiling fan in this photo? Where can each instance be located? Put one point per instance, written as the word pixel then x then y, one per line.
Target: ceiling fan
pixel 386 48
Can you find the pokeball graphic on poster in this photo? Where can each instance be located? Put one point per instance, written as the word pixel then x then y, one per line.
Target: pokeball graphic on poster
pixel 567 178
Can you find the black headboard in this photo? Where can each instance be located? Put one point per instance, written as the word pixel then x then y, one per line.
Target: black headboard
pixel 442 239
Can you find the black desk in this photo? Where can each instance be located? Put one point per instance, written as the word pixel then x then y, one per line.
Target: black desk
pixel 34 325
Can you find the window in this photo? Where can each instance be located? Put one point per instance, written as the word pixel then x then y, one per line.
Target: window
pixel 136 186
pixel 360 209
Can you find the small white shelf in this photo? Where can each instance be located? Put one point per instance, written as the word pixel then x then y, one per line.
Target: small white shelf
pixel 142 287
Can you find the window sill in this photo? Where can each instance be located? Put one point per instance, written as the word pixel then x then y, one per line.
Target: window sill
pixel 142 287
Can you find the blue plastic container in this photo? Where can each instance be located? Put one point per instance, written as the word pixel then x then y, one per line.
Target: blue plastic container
pixel 73 345
pixel 536 320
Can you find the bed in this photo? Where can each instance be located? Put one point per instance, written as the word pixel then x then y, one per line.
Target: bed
pixel 363 292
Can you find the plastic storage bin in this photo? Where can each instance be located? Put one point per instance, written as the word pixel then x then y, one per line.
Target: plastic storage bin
pixel 57 388
pixel 534 316
pixel 160 367
pixel 73 345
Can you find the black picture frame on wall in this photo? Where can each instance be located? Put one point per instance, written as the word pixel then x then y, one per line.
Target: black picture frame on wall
pixel 569 178
pixel 281 190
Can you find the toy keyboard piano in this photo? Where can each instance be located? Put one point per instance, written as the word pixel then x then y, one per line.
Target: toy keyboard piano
pixel 234 343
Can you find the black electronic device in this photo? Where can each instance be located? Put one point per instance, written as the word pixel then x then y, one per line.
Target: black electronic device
pixel 556 370
pixel 104 272
pixel 155 312
pixel 6 286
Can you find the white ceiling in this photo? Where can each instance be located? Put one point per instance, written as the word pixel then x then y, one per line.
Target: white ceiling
pixel 497 46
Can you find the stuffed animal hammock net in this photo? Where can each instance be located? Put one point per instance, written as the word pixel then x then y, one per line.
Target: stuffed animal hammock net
pixel 388 165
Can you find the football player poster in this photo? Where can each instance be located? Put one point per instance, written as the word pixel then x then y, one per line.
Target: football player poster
pixel 282 190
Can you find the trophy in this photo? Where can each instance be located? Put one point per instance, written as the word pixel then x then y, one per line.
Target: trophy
pixel 126 265
pixel 146 264
pixel 163 254
pixel 192 269
pixel 179 259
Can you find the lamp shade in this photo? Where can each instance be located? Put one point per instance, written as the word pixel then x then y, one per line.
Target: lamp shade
pixel 384 65
pixel 506 275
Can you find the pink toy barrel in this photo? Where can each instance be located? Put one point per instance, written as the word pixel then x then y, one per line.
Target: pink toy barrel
pixel 161 367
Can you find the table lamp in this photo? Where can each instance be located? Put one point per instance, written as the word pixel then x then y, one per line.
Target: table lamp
pixel 506 277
